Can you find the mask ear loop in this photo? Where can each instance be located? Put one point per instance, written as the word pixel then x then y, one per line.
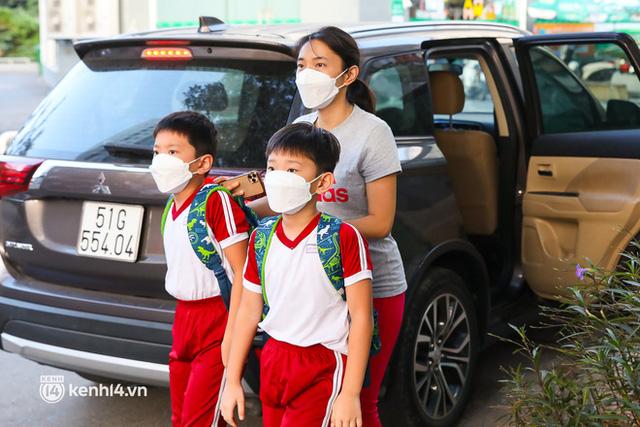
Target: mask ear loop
pixel 338 76
pixel 189 164
pixel 315 179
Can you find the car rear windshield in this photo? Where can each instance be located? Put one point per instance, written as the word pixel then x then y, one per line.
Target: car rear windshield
pixel 108 113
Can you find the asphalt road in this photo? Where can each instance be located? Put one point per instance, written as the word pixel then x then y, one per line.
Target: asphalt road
pixel 20 92
pixel 20 379
pixel 21 403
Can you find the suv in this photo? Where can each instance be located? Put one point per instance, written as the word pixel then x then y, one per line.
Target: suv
pixel 514 171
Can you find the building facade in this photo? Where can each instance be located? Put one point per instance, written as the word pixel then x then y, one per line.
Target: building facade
pixel 64 21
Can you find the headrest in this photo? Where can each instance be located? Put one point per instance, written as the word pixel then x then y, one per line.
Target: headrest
pixel 205 97
pixel 447 92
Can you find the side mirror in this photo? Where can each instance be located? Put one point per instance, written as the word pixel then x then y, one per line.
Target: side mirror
pixel 622 114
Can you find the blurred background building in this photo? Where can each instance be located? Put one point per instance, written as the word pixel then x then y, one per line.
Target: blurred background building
pixel 45 29
pixel 63 21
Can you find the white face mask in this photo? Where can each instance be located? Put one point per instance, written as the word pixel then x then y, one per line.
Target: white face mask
pixel 170 173
pixel 317 89
pixel 287 192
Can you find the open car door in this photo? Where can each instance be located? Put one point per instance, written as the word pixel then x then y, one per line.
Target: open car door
pixel 582 199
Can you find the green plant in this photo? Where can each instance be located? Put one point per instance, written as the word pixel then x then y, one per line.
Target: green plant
pixel 18 32
pixel 595 377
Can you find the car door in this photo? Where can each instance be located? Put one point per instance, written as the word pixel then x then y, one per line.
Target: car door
pixel 582 199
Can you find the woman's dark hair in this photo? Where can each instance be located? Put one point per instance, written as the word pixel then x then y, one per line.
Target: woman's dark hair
pixel 346 48
pixel 307 140
pixel 198 129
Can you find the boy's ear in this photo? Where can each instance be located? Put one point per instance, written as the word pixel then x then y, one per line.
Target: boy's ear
pixel 205 164
pixel 325 182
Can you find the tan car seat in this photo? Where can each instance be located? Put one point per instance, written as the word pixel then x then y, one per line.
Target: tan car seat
pixel 471 158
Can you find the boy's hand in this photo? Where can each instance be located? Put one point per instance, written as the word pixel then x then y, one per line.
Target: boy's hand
pixel 232 397
pixel 229 185
pixel 346 411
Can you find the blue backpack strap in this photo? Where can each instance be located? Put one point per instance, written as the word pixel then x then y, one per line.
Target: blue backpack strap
pixel 262 241
pixel 328 242
pixel 201 240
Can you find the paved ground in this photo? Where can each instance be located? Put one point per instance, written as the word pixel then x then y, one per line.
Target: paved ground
pixel 21 404
pixel 20 92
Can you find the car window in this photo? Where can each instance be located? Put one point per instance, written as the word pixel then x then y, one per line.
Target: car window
pixel 585 87
pixel 107 112
pixel 478 105
pixel 402 98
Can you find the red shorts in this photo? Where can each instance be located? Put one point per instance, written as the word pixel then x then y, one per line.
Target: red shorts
pixel 195 362
pixel 298 385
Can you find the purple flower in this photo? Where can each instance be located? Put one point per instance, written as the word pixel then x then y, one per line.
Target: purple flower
pixel 580 272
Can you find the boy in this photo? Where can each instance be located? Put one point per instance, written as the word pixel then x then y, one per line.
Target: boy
pixel 184 152
pixel 311 327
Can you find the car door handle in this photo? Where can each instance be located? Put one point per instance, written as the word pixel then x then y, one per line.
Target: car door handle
pixel 545 170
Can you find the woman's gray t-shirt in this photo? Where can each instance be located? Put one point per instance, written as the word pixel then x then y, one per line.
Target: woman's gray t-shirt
pixel 367 152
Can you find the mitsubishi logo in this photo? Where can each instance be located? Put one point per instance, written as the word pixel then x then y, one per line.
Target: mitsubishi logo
pixel 101 187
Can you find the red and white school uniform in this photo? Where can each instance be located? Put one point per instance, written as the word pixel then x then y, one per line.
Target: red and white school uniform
pixel 195 360
pixel 302 364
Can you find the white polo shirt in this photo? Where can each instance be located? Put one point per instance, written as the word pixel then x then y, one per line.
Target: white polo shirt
pixel 304 307
pixel 187 277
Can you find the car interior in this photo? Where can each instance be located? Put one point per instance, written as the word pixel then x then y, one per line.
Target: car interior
pixel 469 124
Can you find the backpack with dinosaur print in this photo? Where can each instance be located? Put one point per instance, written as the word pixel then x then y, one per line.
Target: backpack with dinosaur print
pixel 328 241
pixel 200 238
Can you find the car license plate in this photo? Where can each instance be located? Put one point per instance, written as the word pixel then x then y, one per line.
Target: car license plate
pixel 110 230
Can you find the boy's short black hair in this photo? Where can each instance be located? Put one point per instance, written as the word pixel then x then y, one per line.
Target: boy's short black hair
pixel 309 141
pixel 198 129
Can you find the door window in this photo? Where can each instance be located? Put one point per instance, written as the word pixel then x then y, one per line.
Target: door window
pixel 585 87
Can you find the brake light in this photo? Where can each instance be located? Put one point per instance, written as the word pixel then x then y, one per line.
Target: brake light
pixel 625 68
pixel 16 173
pixel 167 54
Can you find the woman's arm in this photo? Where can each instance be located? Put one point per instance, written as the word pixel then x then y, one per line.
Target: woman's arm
pixel 246 323
pixel 260 206
pixel 381 203
pixel 346 409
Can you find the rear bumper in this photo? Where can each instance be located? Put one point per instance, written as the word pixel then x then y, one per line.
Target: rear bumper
pixel 135 371
pixel 108 335
pixel 126 349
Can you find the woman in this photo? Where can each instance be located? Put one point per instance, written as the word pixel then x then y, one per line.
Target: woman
pixel 364 192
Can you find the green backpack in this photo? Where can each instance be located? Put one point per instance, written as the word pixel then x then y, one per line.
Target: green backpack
pixel 200 238
pixel 328 242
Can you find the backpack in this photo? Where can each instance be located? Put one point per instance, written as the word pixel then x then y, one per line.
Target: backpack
pixel 199 236
pixel 328 242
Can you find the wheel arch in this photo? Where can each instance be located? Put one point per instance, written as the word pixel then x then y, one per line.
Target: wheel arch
pixel 463 258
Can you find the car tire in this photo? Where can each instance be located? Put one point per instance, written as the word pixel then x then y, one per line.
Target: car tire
pixel 433 378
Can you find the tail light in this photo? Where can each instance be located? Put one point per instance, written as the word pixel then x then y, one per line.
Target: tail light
pixel 167 54
pixel 625 68
pixel 16 173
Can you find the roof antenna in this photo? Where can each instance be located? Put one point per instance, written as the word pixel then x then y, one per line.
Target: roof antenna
pixel 208 24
